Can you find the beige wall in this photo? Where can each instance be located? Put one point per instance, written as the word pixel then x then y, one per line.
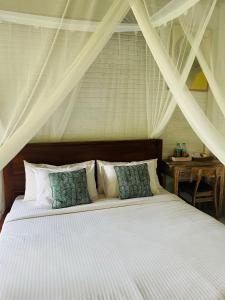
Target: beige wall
pixel 178 130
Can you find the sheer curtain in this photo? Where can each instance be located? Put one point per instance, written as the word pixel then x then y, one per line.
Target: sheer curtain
pixel 51 86
pixel 208 66
pixel 29 64
pixel 207 48
pixel 56 51
pixel 175 40
pixel 44 60
pixel 188 105
pixel 215 64
pixel 37 73
pixel 131 93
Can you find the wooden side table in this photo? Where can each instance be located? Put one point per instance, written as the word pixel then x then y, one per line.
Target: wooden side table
pixel 169 169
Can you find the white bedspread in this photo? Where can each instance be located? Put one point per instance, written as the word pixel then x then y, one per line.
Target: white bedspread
pixel 148 248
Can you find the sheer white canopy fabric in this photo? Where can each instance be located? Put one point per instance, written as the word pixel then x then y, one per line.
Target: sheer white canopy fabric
pixel 46 69
pixel 58 57
pixel 214 86
pixel 203 50
pixel 68 80
pixel 48 46
pixel 191 110
pixel 213 65
pixel 183 55
pixel 171 11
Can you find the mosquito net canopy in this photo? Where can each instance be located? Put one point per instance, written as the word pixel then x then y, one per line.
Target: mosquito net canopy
pixel 143 49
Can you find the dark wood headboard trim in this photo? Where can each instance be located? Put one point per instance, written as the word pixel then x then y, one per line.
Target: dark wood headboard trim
pixel 66 153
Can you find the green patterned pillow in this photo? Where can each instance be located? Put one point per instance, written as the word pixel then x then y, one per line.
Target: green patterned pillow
pixel 133 181
pixel 69 188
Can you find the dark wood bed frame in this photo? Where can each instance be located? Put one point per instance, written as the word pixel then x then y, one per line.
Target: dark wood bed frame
pixel 66 153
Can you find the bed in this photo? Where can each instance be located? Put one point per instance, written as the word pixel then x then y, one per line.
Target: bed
pixel 146 248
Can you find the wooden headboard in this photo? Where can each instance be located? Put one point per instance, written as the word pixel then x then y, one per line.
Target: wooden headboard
pixel 66 153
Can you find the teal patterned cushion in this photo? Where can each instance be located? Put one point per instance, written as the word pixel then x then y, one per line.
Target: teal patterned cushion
pixel 69 188
pixel 133 181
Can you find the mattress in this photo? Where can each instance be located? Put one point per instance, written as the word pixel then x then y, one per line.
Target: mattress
pixel 147 248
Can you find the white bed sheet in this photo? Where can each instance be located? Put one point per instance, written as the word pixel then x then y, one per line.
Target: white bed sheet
pixel 148 248
pixel 26 209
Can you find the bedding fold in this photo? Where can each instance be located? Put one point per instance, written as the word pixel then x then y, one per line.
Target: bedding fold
pixel 25 210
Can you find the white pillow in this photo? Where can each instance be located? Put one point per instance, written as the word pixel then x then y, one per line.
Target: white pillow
pixel 100 179
pixel 110 183
pixel 44 192
pixel 30 185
